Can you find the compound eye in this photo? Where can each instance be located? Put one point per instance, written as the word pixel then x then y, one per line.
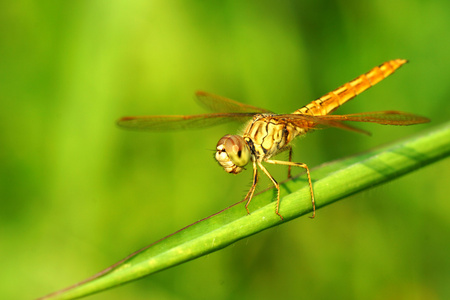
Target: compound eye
pixel 237 150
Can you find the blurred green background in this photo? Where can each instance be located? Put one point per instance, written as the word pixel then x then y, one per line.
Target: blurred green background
pixel 78 194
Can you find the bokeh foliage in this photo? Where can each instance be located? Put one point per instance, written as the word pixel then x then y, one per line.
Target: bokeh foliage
pixel 77 194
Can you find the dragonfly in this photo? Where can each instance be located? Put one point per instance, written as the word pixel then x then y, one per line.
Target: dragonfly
pixel 267 134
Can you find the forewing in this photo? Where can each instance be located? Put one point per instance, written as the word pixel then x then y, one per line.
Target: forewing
pixel 381 117
pixel 223 105
pixel 164 123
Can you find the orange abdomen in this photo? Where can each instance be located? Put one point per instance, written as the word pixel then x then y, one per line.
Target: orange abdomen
pixel 331 101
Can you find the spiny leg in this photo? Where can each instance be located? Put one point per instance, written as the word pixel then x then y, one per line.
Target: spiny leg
pixel 290 160
pixel 276 185
pixel 249 195
pixel 304 166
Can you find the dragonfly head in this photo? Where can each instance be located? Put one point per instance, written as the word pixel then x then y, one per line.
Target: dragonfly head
pixel 232 153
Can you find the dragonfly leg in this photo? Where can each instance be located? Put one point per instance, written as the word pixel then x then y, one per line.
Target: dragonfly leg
pixel 290 160
pixel 249 195
pixel 275 183
pixel 301 165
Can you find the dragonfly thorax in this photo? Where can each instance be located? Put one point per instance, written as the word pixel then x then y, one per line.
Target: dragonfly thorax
pixel 232 153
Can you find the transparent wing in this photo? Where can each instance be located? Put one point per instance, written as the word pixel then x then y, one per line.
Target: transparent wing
pixel 221 104
pixel 162 123
pixel 380 117
pixel 390 117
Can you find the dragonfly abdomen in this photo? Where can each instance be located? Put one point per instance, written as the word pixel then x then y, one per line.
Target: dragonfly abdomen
pixel 331 101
